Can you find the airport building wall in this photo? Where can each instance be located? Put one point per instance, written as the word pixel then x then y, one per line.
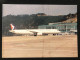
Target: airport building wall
pixel 63 27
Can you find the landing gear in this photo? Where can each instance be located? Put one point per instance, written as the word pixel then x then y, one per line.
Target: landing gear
pixel 35 34
pixel 54 34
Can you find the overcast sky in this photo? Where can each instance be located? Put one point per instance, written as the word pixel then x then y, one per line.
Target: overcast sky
pixel 19 9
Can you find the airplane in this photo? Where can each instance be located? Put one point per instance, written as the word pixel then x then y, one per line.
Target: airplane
pixel 34 32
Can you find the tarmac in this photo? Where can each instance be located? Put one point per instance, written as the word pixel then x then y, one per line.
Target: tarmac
pixel 39 46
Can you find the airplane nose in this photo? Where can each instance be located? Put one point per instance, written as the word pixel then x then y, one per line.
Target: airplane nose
pixel 59 31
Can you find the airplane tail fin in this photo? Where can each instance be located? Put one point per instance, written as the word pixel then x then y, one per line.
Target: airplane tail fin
pixel 12 26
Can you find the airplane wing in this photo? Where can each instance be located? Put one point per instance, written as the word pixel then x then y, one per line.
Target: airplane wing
pixel 36 31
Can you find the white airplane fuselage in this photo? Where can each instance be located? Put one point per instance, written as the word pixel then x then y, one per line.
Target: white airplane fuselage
pixel 32 31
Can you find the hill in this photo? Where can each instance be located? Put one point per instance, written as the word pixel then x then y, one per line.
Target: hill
pixel 71 19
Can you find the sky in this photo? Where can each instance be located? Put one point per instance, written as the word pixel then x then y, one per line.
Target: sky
pixel 21 9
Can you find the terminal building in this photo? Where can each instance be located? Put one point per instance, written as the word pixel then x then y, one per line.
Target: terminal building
pixel 63 27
